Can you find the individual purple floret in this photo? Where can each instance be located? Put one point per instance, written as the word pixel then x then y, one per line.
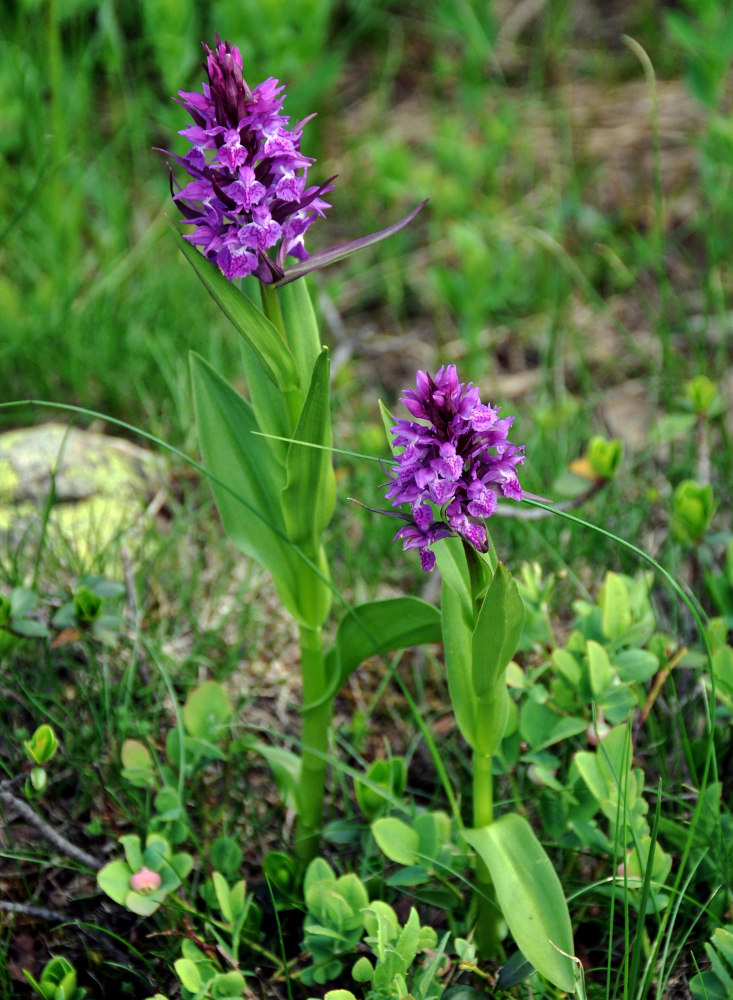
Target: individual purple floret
pixel 248 194
pixel 458 459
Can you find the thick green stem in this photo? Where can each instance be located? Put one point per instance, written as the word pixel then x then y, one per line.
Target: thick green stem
pixel 316 727
pixel 487 934
pixel 483 790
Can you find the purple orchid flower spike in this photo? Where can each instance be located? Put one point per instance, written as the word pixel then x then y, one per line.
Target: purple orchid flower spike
pixel 248 197
pixel 457 457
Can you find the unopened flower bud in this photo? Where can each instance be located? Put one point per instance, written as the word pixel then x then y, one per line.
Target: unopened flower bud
pixel 145 881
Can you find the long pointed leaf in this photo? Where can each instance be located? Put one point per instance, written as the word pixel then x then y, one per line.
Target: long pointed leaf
pixel 244 462
pixel 304 336
pixel 382 626
pixel 453 565
pixel 263 338
pixel 497 632
pixel 270 411
pixel 330 256
pixel 530 895
pixel 457 646
pixel 376 628
pixel 309 497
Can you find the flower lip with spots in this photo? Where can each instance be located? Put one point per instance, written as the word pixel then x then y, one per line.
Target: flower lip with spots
pixel 455 456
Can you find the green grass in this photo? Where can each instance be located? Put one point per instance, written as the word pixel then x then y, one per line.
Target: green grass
pixel 534 270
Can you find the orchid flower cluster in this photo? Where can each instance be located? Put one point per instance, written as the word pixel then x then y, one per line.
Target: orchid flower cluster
pixel 459 461
pixel 248 192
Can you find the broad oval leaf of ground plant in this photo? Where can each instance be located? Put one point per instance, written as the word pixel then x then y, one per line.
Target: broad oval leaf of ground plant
pixel 207 711
pixel 397 840
pixel 530 895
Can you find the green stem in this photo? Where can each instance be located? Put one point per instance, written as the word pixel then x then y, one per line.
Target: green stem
pixel 314 754
pixel 487 935
pixel 272 308
pixel 483 790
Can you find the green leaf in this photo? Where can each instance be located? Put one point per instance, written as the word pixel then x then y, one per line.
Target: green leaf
pixel 301 325
pixel 407 943
pixel 605 457
pixel 167 804
pixel 42 745
pixel 395 839
pixel 137 764
pixel 227 986
pixel 389 776
pixel 221 888
pixel 635 665
pixel 29 628
pixel 135 754
pixel 317 871
pixel 530 895
pixel 157 852
pixel 22 600
pixel 285 768
pixel 515 970
pixel 114 880
pixel 181 863
pixel 599 668
pixel 268 403
pixel 362 972
pixel 324 257
pixel 206 711
pixel 143 906
pixel 309 496
pixel 723 669
pixel 261 335
pixel 87 606
pixel 380 627
pixel 245 463
pixel 226 855
pixel 457 644
pixel 453 565
pixel 496 635
pixel 133 853
pixel 388 422
pixel 279 870
pixel 616 607
pixel 188 973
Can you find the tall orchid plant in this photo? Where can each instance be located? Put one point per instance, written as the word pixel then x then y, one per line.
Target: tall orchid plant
pixel 269 459
pixel 249 203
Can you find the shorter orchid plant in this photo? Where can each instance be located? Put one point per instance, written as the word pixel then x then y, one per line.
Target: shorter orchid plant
pixel 453 463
